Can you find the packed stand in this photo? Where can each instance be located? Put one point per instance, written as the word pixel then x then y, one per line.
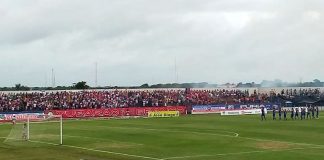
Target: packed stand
pixel 204 97
pixel 40 101
pixel 299 97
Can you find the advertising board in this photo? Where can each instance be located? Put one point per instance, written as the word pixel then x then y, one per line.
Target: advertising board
pixel 206 109
pixel 21 116
pixel 241 112
pixel 115 112
pixel 157 114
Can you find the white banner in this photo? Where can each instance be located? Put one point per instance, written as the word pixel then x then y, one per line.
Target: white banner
pixel 206 109
pixel 241 112
pixel 231 112
pixel 21 116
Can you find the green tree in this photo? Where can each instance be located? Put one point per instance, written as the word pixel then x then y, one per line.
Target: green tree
pixel 19 87
pixel 81 85
pixel 145 86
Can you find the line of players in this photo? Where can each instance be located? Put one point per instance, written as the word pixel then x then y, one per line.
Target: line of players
pixel 295 113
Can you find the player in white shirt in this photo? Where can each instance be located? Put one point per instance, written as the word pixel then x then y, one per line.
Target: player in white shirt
pixel 13 119
pixel 265 110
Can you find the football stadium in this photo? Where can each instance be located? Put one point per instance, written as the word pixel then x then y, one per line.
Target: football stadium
pixel 162 124
pixel 161 80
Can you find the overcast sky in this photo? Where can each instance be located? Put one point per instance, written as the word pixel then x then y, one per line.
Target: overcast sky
pixel 139 41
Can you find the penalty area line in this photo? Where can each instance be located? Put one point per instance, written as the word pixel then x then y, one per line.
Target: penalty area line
pixel 88 149
pixel 236 153
pixel 101 151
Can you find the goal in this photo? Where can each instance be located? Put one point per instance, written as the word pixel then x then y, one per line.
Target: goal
pixel 45 128
pixel 39 128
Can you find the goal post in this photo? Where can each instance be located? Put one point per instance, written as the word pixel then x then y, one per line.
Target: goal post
pixel 61 130
pixel 45 122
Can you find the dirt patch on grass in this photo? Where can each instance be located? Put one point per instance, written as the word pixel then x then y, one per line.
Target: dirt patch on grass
pixel 273 145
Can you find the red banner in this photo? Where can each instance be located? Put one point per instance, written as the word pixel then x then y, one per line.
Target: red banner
pixel 114 112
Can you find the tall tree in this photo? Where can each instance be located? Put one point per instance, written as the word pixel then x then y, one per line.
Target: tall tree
pixel 81 85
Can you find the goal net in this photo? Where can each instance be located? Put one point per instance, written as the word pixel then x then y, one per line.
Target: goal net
pixel 40 128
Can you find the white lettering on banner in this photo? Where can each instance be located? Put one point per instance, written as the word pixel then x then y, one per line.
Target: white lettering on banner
pixel 21 116
pixel 234 112
pixel 241 112
pixel 207 109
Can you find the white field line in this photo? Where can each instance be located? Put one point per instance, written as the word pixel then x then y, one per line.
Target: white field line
pixel 89 149
pixel 169 158
pixel 180 157
pixel 87 120
pixel 103 139
pixel 176 131
pixel 102 151
pixel 235 135
pixel 82 120
pixel 237 153
pixel 110 140
pixel 218 134
pixel 166 130
pixel 68 120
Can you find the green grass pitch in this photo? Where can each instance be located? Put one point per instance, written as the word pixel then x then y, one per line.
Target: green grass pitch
pixel 192 137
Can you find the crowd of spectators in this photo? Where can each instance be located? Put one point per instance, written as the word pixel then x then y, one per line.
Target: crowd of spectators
pixel 39 101
pixel 294 95
pixel 205 97
pixel 301 92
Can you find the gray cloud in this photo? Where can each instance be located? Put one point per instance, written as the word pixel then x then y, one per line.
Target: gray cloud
pixel 137 41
